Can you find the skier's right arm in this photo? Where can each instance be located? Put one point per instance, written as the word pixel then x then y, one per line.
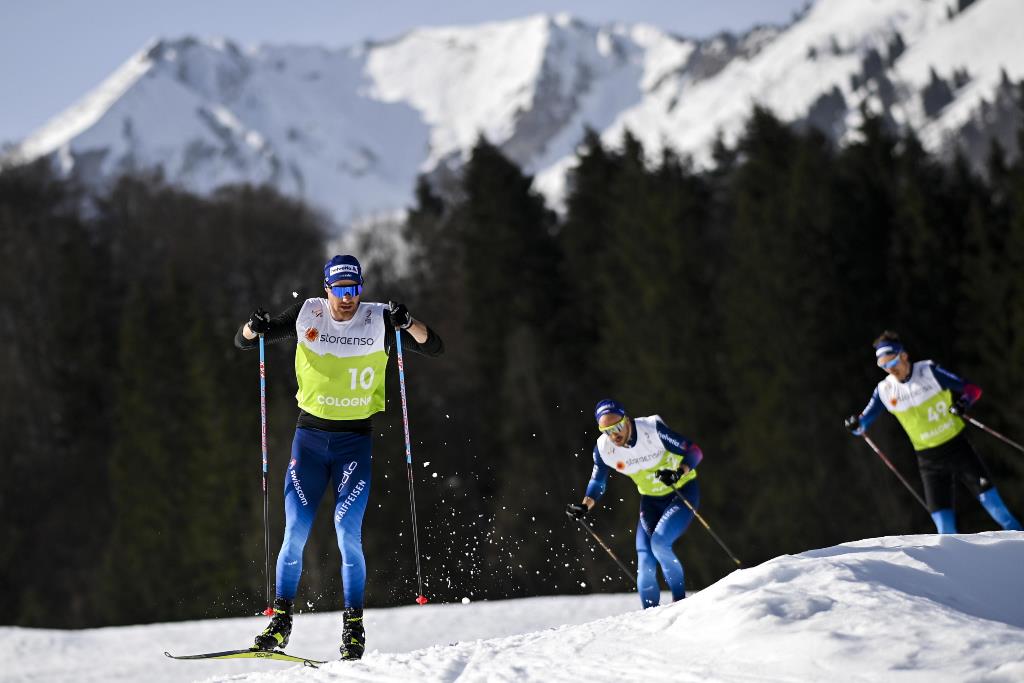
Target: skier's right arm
pixel 598 480
pixel 279 327
pixel 595 489
pixel 868 415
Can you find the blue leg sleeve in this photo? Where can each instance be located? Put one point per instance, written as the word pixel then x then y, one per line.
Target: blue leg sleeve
pixel 350 471
pixel 304 483
pixel 646 569
pixel 945 521
pixel 674 521
pixel 995 506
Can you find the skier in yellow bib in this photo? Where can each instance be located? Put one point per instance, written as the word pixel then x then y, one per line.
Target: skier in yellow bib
pixel 659 461
pixel 920 396
pixel 341 355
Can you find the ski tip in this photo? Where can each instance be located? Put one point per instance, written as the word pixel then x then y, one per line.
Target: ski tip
pixel 422 600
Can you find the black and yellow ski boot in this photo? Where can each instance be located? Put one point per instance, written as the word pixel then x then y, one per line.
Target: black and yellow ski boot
pixel 353 637
pixel 275 635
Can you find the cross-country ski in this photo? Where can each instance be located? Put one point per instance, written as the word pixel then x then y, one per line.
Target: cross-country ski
pixel 251 653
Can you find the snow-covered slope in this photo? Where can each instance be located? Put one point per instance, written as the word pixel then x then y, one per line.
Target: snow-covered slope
pixel 913 608
pixel 349 129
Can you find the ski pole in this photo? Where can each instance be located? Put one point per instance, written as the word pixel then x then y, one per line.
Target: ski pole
pixel 421 598
pixel 892 467
pixel 708 527
pixel 994 433
pixel 622 565
pixel 266 499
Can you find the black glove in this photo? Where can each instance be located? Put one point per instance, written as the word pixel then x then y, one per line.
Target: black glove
pixel 576 510
pixel 259 321
pixel 853 424
pixel 668 477
pixel 400 317
pixel 960 406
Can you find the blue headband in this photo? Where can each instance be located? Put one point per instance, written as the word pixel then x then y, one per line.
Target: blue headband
pixel 888 348
pixel 608 405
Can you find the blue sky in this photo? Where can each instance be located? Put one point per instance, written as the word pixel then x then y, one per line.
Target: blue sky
pixel 54 51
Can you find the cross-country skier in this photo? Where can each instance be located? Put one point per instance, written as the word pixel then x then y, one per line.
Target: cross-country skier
pixel 341 358
pixel 920 396
pixel 658 460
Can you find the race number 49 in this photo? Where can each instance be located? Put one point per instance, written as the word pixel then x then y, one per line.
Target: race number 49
pixel 935 413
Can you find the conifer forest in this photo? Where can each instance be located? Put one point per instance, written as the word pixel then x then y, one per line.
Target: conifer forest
pixel 738 301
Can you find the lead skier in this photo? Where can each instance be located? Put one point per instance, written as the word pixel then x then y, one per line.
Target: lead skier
pixel 920 396
pixel 341 359
pixel 658 460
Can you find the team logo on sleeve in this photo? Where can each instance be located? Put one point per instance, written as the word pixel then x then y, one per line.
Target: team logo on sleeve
pixel 311 334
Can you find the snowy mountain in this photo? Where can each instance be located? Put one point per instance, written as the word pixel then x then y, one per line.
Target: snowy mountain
pixel 912 608
pixel 350 129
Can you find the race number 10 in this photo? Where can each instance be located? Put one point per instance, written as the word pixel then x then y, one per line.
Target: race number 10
pixel 364 377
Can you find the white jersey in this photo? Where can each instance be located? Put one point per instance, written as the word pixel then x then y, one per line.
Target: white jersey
pixel 921 405
pixel 640 461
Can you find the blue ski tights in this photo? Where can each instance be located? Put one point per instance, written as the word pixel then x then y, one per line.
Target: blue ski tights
pixel 663 519
pixel 343 458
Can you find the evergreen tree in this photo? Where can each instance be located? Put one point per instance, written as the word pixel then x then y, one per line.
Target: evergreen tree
pixel 924 249
pixel 992 320
pixel 738 302
pixel 55 402
pixel 511 279
pixel 589 239
pixel 143 573
pixel 777 289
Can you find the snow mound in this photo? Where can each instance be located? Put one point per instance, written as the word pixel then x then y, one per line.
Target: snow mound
pixel 905 608
pixel 922 608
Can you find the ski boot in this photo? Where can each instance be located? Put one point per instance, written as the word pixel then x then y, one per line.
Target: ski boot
pixel 353 637
pixel 275 636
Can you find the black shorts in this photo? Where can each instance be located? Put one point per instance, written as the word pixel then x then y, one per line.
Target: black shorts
pixel 942 465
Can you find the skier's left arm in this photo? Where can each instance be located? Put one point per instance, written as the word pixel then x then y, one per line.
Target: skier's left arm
pixel 680 445
pixel 968 393
pixel 416 335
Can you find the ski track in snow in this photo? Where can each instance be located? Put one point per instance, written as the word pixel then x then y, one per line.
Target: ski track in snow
pixel 904 608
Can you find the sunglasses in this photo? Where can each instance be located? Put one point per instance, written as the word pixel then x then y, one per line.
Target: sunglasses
pixel 889 364
pixel 616 428
pixel 341 291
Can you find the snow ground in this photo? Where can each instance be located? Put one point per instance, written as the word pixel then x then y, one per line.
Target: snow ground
pixel 904 608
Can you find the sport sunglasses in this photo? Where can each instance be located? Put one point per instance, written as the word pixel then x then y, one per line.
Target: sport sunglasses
pixel 341 291
pixel 891 363
pixel 616 428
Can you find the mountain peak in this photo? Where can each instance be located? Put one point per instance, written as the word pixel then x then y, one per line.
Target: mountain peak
pixel 349 129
